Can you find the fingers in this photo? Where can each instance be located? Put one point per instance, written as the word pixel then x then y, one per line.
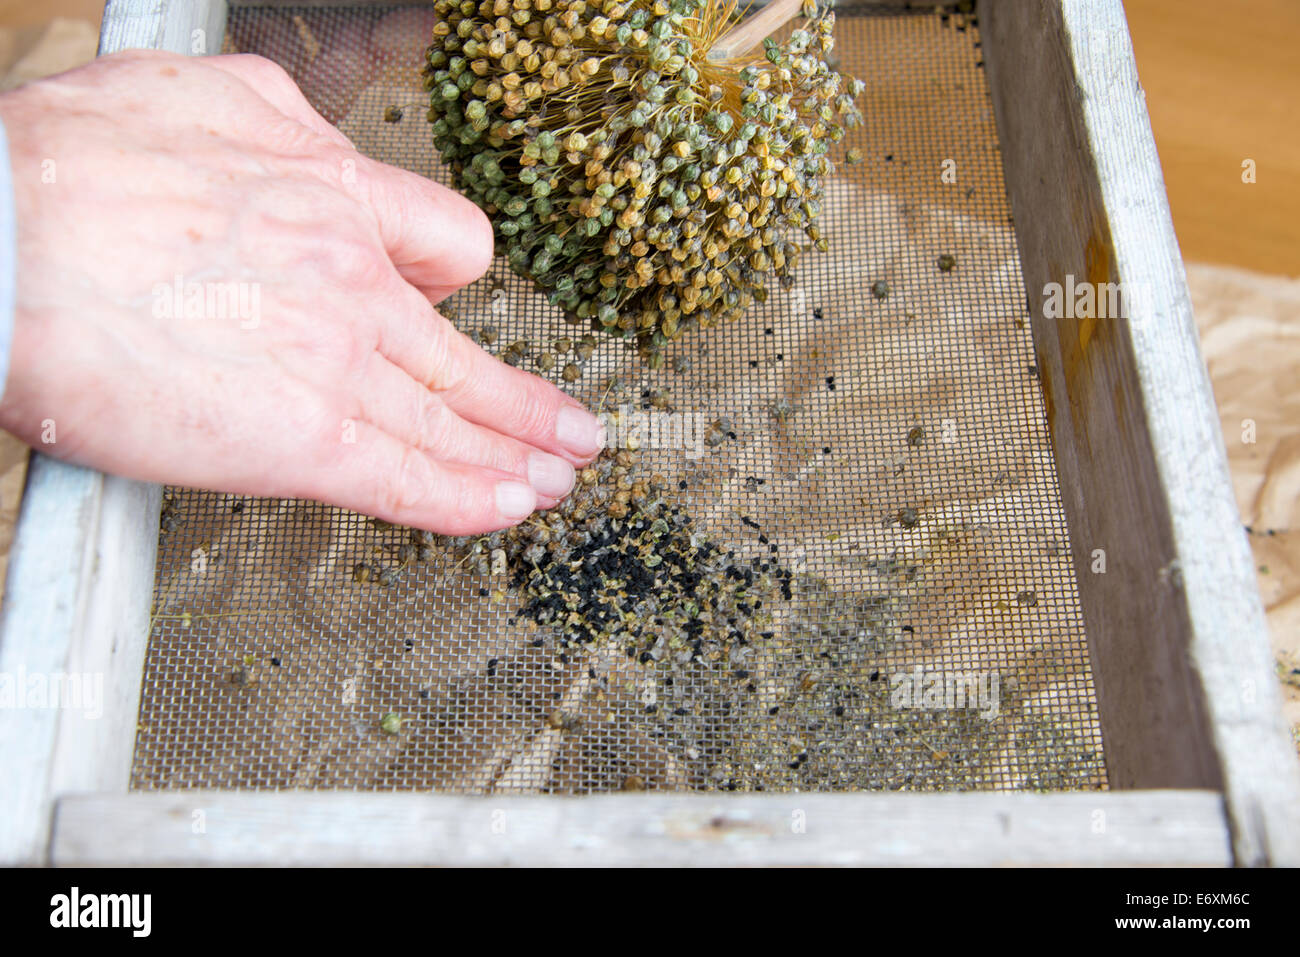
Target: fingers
pixel 484 390
pixel 438 240
pixel 272 83
pixel 406 410
pixel 381 476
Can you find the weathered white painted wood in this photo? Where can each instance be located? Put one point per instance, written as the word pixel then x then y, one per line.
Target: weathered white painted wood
pixel 348 828
pixel 1178 643
pixel 95 744
pixel 191 27
pixel 72 640
pixel 81 572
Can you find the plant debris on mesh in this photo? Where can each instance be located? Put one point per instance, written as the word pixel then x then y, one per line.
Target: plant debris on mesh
pixel 618 560
pixel 647 187
pixel 296 645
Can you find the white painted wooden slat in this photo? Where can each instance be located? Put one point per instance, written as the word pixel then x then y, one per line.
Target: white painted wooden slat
pixel 1179 649
pixel 191 27
pixel 350 828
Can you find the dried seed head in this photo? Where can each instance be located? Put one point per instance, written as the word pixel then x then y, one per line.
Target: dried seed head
pixel 616 160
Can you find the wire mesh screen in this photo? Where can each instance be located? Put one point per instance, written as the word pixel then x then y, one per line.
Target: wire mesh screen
pixel 871 442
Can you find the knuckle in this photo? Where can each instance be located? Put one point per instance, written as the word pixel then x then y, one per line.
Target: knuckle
pixel 448 371
pixel 348 260
pixel 432 424
pixel 266 69
pixel 531 414
pixel 335 346
pixel 407 488
pixel 359 266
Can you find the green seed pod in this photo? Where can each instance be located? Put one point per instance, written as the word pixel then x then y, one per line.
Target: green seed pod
pixel 580 127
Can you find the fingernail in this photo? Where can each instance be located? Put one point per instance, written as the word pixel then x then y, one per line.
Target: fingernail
pixel 578 431
pixel 550 476
pixel 515 500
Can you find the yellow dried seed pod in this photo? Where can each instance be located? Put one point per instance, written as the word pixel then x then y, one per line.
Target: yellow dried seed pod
pixel 554 67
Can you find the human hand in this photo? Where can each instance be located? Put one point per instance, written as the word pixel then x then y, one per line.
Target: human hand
pixel 334 379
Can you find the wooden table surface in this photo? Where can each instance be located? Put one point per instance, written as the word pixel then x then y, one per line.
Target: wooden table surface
pixel 1222 81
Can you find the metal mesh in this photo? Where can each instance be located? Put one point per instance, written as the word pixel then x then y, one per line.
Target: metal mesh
pixel 892 453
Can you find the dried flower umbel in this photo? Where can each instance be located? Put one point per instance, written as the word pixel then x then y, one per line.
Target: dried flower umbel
pixel 647 188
